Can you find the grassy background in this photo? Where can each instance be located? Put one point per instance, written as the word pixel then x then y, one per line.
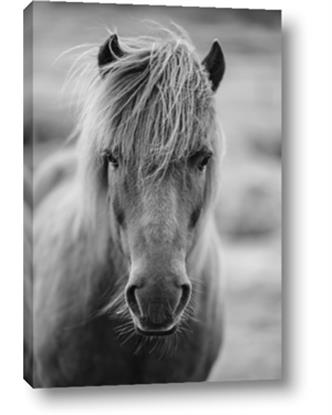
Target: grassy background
pixel 249 104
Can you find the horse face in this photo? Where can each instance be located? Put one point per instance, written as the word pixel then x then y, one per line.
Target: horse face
pixel 156 225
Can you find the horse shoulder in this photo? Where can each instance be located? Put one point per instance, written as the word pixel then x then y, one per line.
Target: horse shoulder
pixel 59 260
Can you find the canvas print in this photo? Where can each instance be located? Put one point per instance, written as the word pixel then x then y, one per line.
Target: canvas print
pixel 152 194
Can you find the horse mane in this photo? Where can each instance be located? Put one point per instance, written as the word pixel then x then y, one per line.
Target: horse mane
pixel 153 106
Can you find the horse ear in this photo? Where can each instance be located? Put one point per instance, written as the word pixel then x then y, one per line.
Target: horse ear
pixel 214 63
pixel 109 52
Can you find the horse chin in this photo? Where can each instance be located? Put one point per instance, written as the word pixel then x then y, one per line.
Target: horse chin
pixel 154 332
pixel 146 327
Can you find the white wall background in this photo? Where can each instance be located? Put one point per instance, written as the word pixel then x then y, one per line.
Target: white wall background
pixel 307 240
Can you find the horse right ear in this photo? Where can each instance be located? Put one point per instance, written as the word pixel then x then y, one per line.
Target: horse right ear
pixel 109 52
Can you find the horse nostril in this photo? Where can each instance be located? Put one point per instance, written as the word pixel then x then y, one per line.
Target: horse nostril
pixel 132 300
pixel 185 296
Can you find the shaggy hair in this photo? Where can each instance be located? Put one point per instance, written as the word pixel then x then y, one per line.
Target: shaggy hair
pixel 151 107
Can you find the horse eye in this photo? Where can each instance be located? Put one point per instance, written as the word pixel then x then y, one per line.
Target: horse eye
pixel 109 156
pixel 203 162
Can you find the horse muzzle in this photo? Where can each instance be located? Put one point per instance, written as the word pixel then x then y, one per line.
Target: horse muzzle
pixel 157 310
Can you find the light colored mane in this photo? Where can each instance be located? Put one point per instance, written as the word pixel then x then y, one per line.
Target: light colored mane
pixel 152 107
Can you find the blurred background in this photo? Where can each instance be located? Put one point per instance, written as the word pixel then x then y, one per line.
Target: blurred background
pixel 249 105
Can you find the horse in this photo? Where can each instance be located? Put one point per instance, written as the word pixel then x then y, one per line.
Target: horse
pixel 127 277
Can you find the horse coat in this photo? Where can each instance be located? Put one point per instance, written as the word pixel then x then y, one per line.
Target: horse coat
pixel 127 280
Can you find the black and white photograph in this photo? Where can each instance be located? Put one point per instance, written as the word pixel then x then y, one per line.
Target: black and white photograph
pixel 152 194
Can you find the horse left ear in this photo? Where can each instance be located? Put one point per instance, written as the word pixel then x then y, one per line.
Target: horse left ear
pixel 214 63
pixel 109 52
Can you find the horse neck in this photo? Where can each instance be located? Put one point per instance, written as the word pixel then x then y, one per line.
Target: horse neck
pixel 93 264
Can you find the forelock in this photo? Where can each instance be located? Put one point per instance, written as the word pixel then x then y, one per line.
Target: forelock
pixel 155 106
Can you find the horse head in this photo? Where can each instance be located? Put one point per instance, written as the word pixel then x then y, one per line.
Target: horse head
pixel 156 159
